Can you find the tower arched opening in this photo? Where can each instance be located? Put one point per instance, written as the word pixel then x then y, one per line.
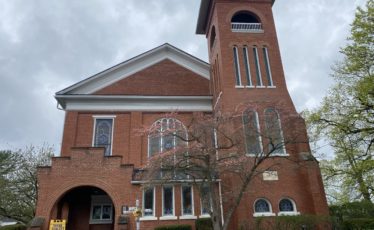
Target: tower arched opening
pixel 245 21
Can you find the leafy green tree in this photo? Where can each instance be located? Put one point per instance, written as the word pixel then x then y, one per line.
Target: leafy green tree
pixel 346 116
pixel 18 181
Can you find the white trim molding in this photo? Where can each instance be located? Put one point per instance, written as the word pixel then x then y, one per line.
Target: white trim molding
pixel 134 103
pixel 259 214
pixel 148 218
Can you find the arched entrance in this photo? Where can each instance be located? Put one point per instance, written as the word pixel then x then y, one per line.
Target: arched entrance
pixel 85 208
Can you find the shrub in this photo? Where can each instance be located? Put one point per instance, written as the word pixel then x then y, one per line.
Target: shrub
pixel 14 227
pixel 309 222
pixel 175 227
pixel 204 224
pixel 354 215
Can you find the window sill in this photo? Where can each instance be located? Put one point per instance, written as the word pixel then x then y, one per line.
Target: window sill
pixel 147 218
pixel 271 87
pixel 271 155
pixel 188 217
pixel 260 86
pixel 279 155
pixel 250 86
pixel 239 86
pixel 101 222
pixel 168 218
pixel 247 31
pixel 204 216
pixel 288 213
pixel 262 214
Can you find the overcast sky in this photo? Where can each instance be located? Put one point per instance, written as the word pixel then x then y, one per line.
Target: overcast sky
pixel 47 45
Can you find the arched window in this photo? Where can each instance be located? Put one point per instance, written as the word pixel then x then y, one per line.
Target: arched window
pixel 244 21
pixel 274 133
pixel 262 207
pixel 238 80
pixel 167 134
pixel 287 207
pixel 251 132
pixel 245 17
pixel 212 36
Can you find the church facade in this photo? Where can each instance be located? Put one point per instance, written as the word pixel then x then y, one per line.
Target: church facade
pixel 93 183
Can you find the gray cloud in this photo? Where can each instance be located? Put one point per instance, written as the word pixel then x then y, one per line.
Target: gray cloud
pixel 46 46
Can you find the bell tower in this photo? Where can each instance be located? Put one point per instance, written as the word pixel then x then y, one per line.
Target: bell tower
pixel 246 65
pixel 246 68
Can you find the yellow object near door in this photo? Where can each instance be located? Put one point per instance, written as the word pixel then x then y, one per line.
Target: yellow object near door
pixel 57 225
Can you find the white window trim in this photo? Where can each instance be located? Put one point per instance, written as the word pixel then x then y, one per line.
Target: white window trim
pixel 259 136
pixel 249 77
pixel 154 205
pixel 148 218
pixel 101 203
pixel 104 116
pixel 281 134
pixel 264 214
pixel 192 203
pixel 166 217
pixel 271 87
pixel 237 66
pixel 99 117
pixel 288 213
pixel 257 63
pixel 267 65
pixel 188 217
pixel 162 137
pixel 258 214
pixel 203 215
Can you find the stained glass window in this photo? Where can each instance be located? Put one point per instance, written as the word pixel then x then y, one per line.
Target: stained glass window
pixel 267 66
pixel 251 132
pixel 167 134
pixel 274 132
pixel 103 135
pixel 168 203
pixel 258 69
pixel 247 66
pixel 262 205
pixel 285 205
pixel 205 201
pixel 187 200
pixel 237 67
pixel 148 201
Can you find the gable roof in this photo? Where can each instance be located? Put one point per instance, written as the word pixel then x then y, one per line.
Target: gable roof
pixel 136 64
pixel 81 97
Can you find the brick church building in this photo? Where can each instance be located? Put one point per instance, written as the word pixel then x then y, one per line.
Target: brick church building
pixel 91 184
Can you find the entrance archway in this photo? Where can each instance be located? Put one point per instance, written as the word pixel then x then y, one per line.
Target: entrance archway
pixel 85 208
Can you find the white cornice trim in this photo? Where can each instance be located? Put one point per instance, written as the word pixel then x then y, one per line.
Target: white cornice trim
pixel 136 64
pixel 134 103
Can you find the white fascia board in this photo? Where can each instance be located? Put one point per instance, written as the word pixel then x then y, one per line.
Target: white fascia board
pixel 135 103
pixel 137 64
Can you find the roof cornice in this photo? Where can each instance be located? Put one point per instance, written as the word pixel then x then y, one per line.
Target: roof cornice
pixel 134 103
